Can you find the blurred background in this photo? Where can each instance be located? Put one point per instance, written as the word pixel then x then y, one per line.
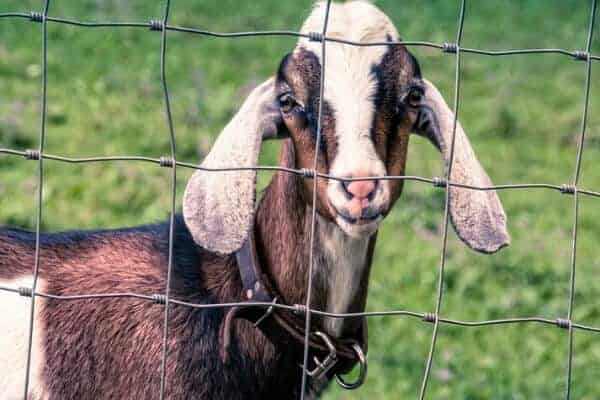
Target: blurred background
pixel 522 113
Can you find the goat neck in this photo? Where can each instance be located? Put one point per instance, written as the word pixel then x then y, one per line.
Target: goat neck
pixel 341 263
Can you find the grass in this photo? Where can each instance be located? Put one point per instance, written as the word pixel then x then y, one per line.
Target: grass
pixel 522 113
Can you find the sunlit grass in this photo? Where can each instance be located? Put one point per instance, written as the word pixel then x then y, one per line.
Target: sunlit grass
pixel 522 113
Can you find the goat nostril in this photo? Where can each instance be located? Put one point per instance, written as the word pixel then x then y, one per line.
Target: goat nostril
pixel 371 194
pixel 345 190
pixel 361 189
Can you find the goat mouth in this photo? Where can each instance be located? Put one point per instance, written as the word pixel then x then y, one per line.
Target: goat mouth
pixel 365 219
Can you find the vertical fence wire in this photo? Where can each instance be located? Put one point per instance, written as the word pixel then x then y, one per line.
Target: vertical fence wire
pixel 173 181
pixel 314 204
pixel 588 76
pixel 440 287
pixel 588 80
pixel 172 163
pixel 571 295
pixel 40 193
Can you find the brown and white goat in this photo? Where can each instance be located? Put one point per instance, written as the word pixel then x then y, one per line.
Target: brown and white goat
pixel 111 348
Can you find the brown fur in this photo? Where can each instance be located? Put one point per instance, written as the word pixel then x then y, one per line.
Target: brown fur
pixel 301 71
pixel 111 348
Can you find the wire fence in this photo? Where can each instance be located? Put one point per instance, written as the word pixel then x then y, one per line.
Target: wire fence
pixel 171 162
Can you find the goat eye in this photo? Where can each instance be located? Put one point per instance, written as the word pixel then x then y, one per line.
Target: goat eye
pixel 414 97
pixel 286 102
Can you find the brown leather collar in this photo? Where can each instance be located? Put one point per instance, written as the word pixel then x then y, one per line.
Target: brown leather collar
pixel 285 328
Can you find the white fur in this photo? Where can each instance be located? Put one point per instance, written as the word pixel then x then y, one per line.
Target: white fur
pixel 349 83
pixel 14 325
pixel 343 262
pixel 218 207
pixel 349 87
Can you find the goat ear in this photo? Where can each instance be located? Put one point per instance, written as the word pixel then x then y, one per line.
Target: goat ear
pixel 477 216
pixel 218 207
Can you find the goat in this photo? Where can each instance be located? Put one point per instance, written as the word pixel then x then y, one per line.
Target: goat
pixel 374 97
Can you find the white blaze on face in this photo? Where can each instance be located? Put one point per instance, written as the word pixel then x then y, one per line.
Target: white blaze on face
pixel 350 89
pixel 350 85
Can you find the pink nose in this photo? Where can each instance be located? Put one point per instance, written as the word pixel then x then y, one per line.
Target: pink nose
pixel 360 189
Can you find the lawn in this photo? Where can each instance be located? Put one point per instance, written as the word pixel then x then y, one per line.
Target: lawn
pixel 523 114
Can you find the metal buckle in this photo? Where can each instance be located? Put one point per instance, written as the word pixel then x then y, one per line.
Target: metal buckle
pixel 362 374
pixel 323 367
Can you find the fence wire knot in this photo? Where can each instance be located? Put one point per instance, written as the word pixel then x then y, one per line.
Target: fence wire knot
pixel 439 182
pixel 315 36
pixel 166 162
pixel 32 154
pixel 307 173
pixel 156 25
pixel 581 55
pixel 35 16
pixel 299 309
pixel 449 48
pixel 429 317
pixel 159 298
pixel 567 189
pixel 563 323
pixel 25 291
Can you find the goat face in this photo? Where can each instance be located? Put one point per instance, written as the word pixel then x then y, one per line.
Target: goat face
pixel 374 97
pixel 371 100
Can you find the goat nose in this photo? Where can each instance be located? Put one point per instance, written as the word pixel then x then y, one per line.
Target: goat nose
pixel 360 189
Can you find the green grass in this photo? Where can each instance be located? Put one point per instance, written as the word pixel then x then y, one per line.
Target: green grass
pixel 523 115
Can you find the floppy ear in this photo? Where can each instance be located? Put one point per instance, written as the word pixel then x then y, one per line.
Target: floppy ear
pixel 477 216
pixel 218 207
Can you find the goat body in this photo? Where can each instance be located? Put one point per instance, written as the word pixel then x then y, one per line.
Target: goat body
pixel 111 348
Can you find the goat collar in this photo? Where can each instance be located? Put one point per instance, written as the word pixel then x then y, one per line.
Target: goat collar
pixel 285 328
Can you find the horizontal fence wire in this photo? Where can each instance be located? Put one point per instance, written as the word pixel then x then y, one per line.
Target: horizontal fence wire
pixel 170 161
pixel 157 25
pixel 305 172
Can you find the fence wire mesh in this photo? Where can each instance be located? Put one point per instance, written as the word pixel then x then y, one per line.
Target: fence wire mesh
pixel 444 183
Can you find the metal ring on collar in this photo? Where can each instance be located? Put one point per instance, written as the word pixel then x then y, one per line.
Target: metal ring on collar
pixel 362 359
